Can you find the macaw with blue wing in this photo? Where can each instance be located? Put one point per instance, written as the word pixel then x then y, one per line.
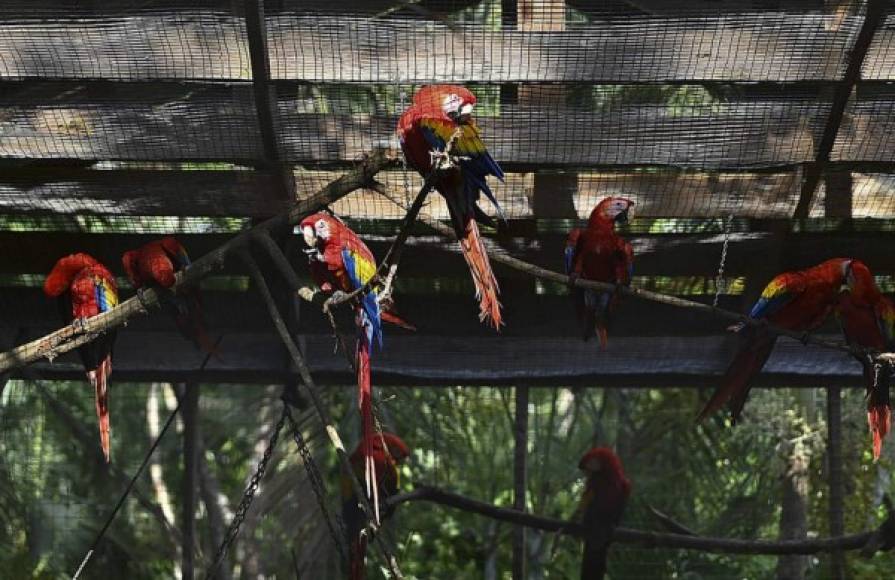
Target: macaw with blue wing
pixel 85 288
pixel 439 124
pixel 156 264
pixel 341 262
pixel 868 321
pixel 799 301
pixel 598 253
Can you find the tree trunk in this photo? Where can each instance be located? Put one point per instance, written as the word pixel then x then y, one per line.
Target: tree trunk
pixel 520 479
pixel 834 474
pixel 793 516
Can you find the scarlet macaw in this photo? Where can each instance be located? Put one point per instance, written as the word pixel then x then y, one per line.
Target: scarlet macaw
pixel 340 261
pixel 156 263
pixel 798 301
pixel 85 288
pixel 388 452
pixel 439 115
pixel 602 505
pixel 598 253
pixel 868 320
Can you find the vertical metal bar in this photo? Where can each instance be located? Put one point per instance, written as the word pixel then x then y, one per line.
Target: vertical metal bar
pixel 190 414
pixel 834 466
pixel 520 476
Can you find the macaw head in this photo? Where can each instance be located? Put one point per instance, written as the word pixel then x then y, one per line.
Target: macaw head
pixel 130 262
pixel 602 463
pixel 172 246
pixel 610 210
pixel 318 228
pixel 859 280
pixel 64 272
pixel 394 445
pixel 454 102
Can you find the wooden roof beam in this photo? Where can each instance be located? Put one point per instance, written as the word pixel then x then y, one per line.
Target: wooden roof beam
pixel 813 171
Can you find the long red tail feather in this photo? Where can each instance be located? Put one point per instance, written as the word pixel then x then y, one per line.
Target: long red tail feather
pixel 392 318
pixel 747 363
pixel 99 379
pixel 486 288
pixel 879 417
pixel 357 559
pixel 368 431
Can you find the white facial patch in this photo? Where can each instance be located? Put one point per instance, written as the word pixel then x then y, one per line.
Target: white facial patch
pixel 322 229
pixel 451 104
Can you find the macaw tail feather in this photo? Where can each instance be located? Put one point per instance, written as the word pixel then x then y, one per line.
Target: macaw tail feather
pixel 596 554
pixel 99 379
pixel 595 315
pixel 879 413
pixel 368 430
pixel 357 558
pixel 748 362
pixel 880 420
pixel 191 324
pixel 393 318
pixel 486 288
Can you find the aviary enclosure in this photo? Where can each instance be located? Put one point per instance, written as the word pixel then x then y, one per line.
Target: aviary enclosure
pixel 741 140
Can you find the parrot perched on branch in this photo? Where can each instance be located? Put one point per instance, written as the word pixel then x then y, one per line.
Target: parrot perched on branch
pixel 868 320
pixel 439 124
pixel 341 262
pixel 598 253
pixel 85 288
pixel 798 301
pixel 388 452
pixel 600 510
pixel 155 264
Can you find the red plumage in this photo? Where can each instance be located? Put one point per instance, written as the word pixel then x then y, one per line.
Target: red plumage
pixel 867 318
pixel 157 264
pixel 798 301
pixel 85 288
pixel 598 253
pixel 438 113
pixel 601 508
pixel 388 452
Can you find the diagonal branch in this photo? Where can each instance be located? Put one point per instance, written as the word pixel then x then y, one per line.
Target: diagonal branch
pixel 314 394
pixel 640 538
pixel 77 334
pixel 498 254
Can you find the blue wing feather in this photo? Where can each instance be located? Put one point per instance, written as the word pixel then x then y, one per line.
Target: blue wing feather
pixel 372 320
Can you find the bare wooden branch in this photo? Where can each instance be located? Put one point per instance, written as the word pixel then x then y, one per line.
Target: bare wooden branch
pixel 77 334
pixel 642 538
pixel 498 254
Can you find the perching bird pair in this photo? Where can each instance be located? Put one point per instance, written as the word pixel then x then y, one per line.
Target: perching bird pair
pixel 801 301
pixel 86 288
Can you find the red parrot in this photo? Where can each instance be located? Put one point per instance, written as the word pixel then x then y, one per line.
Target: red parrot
pixel 598 253
pixel 798 301
pixel 341 262
pixel 155 264
pixel 86 288
pixel 437 115
pixel 602 505
pixel 389 451
pixel 868 320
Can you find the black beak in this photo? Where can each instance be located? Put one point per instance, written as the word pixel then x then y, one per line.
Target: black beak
pixel 622 217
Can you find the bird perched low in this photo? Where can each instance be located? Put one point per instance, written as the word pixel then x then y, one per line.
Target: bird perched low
pixel 85 288
pixel 798 301
pixel 341 262
pixel 598 253
pixel 388 453
pixel 600 510
pixel 156 264
pixel 439 124
pixel 868 321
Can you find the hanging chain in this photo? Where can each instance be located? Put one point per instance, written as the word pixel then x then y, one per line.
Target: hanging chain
pixel 719 278
pixel 247 498
pixel 317 484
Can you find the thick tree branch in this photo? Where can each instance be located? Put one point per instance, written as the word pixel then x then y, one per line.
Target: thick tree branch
pixel 498 254
pixel 77 334
pixel 638 537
